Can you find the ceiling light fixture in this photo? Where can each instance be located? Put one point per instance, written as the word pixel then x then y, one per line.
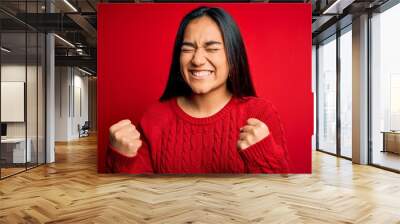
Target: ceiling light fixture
pixel 84 71
pixel 337 7
pixel 70 5
pixel 64 40
pixel 5 50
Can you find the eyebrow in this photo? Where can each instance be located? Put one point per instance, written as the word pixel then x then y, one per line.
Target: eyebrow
pixel 185 43
pixel 208 43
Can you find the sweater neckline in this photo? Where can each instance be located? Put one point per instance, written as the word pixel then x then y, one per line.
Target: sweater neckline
pixel 204 120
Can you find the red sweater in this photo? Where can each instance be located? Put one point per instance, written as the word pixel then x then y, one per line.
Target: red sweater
pixel 175 142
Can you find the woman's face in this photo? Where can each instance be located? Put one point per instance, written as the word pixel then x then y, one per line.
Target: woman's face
pixel 204 64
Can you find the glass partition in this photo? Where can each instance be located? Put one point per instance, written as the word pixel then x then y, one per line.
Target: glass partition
pixel 14 153
pixel 22 88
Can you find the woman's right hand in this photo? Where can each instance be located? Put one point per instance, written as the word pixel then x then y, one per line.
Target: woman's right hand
pixel 125 138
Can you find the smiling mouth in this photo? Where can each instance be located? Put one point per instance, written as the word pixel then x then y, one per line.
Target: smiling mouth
pixel 201 74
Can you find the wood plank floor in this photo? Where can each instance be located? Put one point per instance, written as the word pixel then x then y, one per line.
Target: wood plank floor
pixel 70 191
pixel 10 171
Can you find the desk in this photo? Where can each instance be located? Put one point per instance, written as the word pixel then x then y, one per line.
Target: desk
pixel 15 148
pixel 391 141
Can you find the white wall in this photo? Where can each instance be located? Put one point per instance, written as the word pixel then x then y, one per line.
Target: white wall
pixel 70 83
pixel 61 103
pixel 16 72
pixel 79 117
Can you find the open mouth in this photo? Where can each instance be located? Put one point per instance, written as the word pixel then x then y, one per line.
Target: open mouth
pixel 200 74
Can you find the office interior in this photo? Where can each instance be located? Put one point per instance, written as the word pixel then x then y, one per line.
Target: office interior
pixel 47 81
pixel 49 95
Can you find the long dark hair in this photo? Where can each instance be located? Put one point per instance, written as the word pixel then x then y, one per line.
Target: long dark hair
pixel 239 82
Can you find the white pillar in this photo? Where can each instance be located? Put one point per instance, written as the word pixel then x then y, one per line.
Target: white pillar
pixel 360 89
pixel 50 91
pixel 50 110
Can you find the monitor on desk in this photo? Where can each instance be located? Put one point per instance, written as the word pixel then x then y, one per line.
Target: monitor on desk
pixel 3 130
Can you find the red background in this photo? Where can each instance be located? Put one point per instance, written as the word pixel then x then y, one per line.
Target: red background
pixel 135 43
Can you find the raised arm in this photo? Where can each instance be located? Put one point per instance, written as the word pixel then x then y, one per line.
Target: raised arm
pixel 127 153
pixel 262 144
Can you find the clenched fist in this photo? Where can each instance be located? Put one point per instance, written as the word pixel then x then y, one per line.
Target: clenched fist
pixel 125 138
pixel 253 132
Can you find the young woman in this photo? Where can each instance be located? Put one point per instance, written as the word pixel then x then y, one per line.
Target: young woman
pixel 208 119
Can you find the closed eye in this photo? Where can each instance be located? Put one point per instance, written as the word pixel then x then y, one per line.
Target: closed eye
pixel 187 50
pixel 213 49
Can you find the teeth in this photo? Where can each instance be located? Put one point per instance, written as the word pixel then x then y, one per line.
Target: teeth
pixel 201 73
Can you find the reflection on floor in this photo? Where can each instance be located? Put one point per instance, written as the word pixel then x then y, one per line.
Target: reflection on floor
pixel 386 159
pixel 10 169
pixel 346 152
pixel 71 191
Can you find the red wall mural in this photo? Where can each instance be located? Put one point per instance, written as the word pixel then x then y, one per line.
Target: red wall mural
pixel 135 43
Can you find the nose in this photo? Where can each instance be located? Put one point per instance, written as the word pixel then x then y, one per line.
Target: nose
pixel 199 57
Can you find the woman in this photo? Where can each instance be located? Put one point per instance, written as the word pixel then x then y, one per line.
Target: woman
pixel 208 119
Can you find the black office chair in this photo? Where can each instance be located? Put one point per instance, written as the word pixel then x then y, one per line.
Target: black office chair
pixel 84 130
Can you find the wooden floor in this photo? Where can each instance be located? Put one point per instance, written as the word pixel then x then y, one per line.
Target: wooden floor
pixel 70 191
pixel 5 172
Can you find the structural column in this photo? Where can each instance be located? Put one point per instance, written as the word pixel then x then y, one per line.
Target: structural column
pixel 360 89
pixel 50 92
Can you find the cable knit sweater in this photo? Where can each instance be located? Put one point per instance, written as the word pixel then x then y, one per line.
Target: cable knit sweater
pixel 175 142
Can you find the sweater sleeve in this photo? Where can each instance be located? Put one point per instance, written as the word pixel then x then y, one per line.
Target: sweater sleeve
pixel 118 163
pixel 270 154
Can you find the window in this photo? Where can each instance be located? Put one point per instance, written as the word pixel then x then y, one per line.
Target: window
pixel 385 88
pixel 327 95
pixel 346 93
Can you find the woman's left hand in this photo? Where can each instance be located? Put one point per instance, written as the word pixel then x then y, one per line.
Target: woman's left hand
pixel 253 132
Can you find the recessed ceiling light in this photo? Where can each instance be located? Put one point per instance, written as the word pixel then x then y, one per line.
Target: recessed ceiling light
pixel 64 40
pixel 337 7
pixel 70 5
pixel 84 71
pixel 5 50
